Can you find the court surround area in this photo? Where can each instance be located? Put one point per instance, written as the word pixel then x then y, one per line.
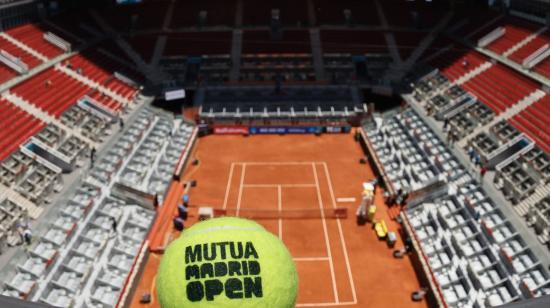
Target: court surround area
pixel 339 263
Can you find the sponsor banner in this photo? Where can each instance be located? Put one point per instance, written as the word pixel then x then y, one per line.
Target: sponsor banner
pixel 334 129
pixel 173 95
pixel 267 130
pixel 231 130
pixel 305 130
pixel 338 129
pixel 285 130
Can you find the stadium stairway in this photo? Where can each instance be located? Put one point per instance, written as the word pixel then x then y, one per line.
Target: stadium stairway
pixel 531 74
pixel 392 47
pixel 32 209
pixel 159 50
pixel 317 53
pixel 524 42
pixel 537 42
pixel 103 261
pixel 390 39
pixel 44 66
pixel 311 16
pixel 540 193
pixel 87 228
pixel 236 52
pixel 506 208
pixel 462 79
pixel 23 46
pixel 92 84
pixel 473 73
pixel 44 116
pixel 509 113
pixel 467 40
pixel 169 15
pixel 505 61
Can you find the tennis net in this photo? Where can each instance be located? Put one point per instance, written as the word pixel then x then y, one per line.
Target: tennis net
pixel 313 213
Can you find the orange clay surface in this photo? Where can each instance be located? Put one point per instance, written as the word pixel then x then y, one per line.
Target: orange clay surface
pixel 339 263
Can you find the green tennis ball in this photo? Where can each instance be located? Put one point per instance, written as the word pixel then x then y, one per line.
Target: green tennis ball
pixel 227 262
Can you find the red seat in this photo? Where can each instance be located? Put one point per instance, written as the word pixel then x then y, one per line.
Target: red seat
pixel 525 51
pixel 51 91
pixel 15 128
pixel 534 120
pixel 33 36
pixel 500 88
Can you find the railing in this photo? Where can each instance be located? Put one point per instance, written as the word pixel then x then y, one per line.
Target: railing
pixel 438 294
pixel 57 41
pixel 536 57
pixel 387 182
pixel 514 157
pixel 185 154
pixel 95 107
pixel 125 79
pixel 13 62
pixel 491 37
pixel 134 271
pixel 41 160
pixel 51 150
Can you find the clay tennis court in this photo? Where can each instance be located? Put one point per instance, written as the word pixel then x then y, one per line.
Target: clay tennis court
pixel 339 263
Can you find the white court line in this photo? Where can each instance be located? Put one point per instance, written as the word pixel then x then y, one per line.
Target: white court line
pixel 240 190
pixel 280 207
pixel 346 200
pixel 275 163
pixel 228 188
pixel 325 304
pixel 342 238
pixel 327 240
pixel 278 185
pixel 304 259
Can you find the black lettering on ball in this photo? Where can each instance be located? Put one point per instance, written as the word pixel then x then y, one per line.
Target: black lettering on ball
pixel 209 254
pixel 193 254
pixel 195 291
pixel 192 272
pixel 234 268
pixel 236 250
pixel 223 249
pixel 212 288
pixel 250 251
pixel 220 269
pixel 233 288
pixel 254 268
pixel 253 287
pixel 207 269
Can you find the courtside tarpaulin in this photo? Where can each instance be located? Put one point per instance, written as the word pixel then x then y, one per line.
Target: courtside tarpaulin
pixel 285 130
pixel 230 130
